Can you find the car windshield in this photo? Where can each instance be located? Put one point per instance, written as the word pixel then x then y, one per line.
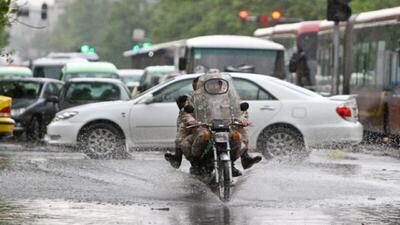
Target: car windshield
pixel 20 89
pixel 235 60
pixel 92 91
pixel 48 71
pixel 98 74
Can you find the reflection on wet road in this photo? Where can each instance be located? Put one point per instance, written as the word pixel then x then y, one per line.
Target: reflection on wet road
pixel 45 187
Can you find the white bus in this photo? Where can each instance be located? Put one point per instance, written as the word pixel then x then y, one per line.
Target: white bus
pixel 229 53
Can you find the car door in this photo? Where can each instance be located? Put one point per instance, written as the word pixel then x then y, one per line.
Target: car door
pixel 262 105
pixel 154 123
pixel 51 107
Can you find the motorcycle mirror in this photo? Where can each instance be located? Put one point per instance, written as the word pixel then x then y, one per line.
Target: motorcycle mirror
pixel 244 106
pixel 188 109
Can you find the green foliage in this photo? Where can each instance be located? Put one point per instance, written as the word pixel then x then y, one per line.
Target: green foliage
pixel 105 25
pixel 116 37
pixel 81 23
pixel 4 12
pixel 175 19
pixel 368 5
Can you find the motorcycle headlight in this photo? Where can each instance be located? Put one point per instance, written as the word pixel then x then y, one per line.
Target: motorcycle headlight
pixel 65 115
pixel 17 112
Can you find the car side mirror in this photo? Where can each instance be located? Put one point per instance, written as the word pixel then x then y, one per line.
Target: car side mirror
pixel 148 100
pixel 188 109
pixel 53 99
pixel 182 64
pixel 244 106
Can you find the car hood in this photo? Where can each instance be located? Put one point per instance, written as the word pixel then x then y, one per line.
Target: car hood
pixel 99 107
pixel 22 102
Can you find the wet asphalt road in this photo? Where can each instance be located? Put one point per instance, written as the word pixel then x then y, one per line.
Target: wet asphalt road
pixel 48 186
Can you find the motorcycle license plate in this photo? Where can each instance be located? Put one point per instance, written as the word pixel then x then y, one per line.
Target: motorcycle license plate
pixel 221 137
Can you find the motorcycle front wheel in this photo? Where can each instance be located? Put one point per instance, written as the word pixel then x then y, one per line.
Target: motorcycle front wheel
pixel 225 177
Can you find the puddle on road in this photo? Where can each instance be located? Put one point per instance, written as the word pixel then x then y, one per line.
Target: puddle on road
pixel 59 212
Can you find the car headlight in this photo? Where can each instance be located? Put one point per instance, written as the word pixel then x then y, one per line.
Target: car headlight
pixel 17 112
pixel 65 115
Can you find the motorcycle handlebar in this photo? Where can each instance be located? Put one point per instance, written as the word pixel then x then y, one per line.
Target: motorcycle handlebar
pixel 236 123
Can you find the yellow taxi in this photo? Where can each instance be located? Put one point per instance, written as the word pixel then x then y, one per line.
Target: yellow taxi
pixel 6 123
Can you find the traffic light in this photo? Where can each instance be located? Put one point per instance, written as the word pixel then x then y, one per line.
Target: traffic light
pixel 43 11
pixel 243 15
pixel 338 10
pixel 135 48
pixel 87 49
pixel 276 15
pixel 262 21
pixel 147 44
pixel 23 11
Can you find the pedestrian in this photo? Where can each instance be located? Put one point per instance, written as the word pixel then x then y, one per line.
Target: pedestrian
pixel 298 64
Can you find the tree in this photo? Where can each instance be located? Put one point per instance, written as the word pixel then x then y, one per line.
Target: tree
pixel 105 25
pixel 176 19
pixel 6 14
pixel 117 35
pixel 81 24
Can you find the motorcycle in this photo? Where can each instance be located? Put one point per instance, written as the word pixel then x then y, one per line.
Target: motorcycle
pixel 218 114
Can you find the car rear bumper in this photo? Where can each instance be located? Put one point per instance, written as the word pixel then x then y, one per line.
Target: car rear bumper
pixel 62 133
pixel 334 135
pixel 6 126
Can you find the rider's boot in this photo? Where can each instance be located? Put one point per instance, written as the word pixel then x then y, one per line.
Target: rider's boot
pixel 174 159
pixel 248 161
pixel 196 169
pixel 235 171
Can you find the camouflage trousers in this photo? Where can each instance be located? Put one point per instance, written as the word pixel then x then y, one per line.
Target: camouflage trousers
pixel 194 145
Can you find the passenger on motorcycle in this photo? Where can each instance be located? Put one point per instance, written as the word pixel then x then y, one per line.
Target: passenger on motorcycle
pixel 184 119
pixel 214 99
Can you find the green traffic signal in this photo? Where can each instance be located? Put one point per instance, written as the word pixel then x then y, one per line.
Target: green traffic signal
pixel 147 45
pixel 136 48
pixel 87 49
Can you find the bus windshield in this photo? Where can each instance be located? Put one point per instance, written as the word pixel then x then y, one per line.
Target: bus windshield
pixel 48 71
pixel 260 61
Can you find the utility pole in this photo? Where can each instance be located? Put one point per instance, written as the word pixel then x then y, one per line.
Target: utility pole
pixel 335 69
pixel 337 10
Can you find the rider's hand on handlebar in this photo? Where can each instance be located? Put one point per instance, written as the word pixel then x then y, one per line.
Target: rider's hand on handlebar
pixel 192 122
pixel 245 122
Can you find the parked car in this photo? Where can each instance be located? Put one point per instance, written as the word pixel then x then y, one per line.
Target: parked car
pixel 79 91
pixel 6 123
pixel 51 67
pixel 285 118
pixel 152 76
pixel 34 104
pixel 89 69
pixel 14 71
pixel 131 78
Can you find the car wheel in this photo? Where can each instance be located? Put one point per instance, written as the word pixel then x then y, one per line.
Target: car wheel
pixel 102 141
pixel 282 142
pixel 34 130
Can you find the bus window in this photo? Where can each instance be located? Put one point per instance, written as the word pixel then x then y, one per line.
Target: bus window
pixel 47 71
pixel 257 61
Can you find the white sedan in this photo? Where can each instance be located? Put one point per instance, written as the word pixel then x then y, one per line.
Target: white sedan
pixel 285 118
